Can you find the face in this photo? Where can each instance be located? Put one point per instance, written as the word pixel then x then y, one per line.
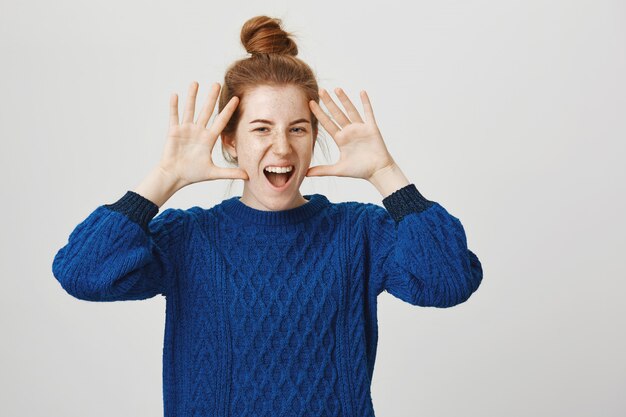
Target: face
pixel 274 130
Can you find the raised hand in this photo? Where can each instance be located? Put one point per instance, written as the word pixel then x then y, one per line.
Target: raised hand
pixel 187 156
pixel 362 149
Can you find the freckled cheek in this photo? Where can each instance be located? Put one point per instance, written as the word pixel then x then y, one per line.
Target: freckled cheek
pixel 251 163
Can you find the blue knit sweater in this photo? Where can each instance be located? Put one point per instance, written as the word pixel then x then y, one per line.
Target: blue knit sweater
pixel 270 313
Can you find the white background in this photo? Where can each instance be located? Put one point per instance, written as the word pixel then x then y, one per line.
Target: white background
pixel 511 114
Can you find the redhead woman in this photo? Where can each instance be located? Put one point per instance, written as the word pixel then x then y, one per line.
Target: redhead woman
pixel 271 296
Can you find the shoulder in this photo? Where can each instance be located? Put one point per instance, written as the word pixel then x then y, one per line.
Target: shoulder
pixel 201 223
pixel 363 215
pixel 168 224
pixel 172 213
pixel 360 209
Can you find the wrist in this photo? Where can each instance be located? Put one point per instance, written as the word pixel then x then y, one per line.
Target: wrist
pixel 170 180
pixel 158 186
pixel 388 179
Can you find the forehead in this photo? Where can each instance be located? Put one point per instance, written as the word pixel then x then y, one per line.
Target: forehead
pixel 274 102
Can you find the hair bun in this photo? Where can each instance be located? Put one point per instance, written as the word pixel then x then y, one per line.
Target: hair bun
pixel 264 35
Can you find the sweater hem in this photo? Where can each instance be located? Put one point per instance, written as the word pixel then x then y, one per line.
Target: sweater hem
pixel 136 207
pixel 404 201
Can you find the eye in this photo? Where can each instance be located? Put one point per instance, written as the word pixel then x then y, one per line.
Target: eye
pixel 298 129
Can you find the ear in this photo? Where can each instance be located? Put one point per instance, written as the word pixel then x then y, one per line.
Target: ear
pixel 230 144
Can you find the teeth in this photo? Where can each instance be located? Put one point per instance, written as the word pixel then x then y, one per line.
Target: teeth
pixel 280 170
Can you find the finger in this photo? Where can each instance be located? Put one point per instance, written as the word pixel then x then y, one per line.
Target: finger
pixel 323 118
pixel 209 105
pixel 341 118
pixel 173 109
pixel 222 118
pixel 190 108
pixel 231 173
pixel 367 107
pixel 353 113
pixel 323 170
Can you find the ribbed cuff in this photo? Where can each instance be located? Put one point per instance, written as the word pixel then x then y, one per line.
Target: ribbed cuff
pixel 138 208
pixel 404 201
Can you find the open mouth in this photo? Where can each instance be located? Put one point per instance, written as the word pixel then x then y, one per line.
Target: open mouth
pixel 279 180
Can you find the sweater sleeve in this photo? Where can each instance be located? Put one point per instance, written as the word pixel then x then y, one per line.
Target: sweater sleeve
pixel 120 252
pixel 419 251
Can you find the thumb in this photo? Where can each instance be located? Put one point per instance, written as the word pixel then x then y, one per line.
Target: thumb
pixel 321 170
pixel 231 173
pixel 243 174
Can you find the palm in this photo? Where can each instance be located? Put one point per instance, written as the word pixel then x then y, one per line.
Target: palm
pixel 361 146
pixel 188 151
pixel 357 143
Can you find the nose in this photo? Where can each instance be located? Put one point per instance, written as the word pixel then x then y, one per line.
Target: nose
pixel 280 144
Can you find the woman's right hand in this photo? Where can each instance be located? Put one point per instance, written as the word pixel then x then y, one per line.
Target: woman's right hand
pixel 187 156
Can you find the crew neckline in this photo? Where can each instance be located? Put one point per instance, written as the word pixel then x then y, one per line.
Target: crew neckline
pixel 246 214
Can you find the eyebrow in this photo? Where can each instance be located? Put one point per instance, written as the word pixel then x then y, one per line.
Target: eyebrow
pixel 269 122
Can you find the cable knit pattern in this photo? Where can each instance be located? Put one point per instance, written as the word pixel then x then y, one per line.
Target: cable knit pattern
pixel 270 313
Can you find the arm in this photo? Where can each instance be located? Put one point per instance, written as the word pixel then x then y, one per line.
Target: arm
pixel 418 251
pixel 120 252
pixel 415 249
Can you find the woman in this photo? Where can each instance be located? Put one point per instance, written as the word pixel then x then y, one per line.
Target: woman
pixel 270 296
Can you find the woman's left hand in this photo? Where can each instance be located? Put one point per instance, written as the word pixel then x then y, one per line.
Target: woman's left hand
pixel 361 146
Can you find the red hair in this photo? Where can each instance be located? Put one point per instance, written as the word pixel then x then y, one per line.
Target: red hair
pixel 272 62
